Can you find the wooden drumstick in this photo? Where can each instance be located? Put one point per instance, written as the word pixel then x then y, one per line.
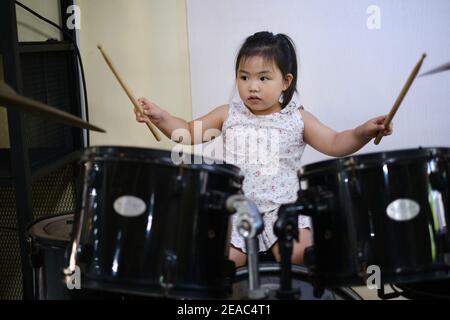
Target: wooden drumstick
pixel 128 92
pixel 399 100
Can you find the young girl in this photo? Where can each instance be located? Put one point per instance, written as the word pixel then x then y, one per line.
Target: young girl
pixel 266 75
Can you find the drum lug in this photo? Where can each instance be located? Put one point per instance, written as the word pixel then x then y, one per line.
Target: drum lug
pixel 310 257
pixel 236 184
pixel 437 181
pixel 355 187
pixel 214 200
pixel 35 254
pixel 318 200
pixel 166 279
pixel 228 273
pixel 351 179
pixel 85 252
pixel 178 183
pixel 436 200
pixel 363 253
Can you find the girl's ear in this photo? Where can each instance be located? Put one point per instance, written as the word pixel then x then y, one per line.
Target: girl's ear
pixel 287 81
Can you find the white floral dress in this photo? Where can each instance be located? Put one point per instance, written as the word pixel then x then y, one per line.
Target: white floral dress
pixel 268 150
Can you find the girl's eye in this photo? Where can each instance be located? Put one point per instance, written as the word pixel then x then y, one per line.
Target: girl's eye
pixel 264 78
pixel 244 78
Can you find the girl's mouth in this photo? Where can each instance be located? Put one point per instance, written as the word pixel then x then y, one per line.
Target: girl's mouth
pixel 254 99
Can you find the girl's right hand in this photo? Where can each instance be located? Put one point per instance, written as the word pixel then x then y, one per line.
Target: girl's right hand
pixel 151 111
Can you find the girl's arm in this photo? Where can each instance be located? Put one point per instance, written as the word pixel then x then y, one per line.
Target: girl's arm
pixel 179 130
pixel 340 144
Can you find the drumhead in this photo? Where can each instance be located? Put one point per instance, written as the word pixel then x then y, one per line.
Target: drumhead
pixel 159 157
pixel 269 275
pixel 52 231
pixel 377 159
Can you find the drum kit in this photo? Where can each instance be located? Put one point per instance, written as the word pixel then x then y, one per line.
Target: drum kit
pixel 148 228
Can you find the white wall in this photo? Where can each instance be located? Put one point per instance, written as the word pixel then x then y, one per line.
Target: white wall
pixel 348 73
pixel 147 42
pixel 31 28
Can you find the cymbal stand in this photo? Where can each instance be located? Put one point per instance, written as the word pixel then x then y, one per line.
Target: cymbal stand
pixel 249 224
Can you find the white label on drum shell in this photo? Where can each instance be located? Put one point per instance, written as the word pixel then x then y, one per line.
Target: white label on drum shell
pixel 129 206
pixel 403 209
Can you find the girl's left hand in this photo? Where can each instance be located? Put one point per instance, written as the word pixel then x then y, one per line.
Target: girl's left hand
pixel 371 128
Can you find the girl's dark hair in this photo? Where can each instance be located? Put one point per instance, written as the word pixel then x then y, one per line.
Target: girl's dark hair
pixel 277 48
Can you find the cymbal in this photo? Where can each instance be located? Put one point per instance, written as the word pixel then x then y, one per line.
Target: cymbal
pixel 436 70
pixel 10 99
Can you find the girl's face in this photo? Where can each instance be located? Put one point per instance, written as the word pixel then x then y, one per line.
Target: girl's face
pixel 260 84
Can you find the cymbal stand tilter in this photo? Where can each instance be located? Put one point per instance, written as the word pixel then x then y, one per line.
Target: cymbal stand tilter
pixel 310 203
pixel 250 224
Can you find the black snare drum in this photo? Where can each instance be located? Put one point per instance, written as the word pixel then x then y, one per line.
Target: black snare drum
pixel 390 210
pixel 148 226
pixel 269 275
pixel 49 238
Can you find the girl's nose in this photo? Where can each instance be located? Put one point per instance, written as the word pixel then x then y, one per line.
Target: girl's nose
pixel 254 87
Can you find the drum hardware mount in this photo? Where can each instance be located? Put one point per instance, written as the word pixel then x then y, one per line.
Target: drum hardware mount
pixel 35 256
pixel 350 176
pixel 214 200
pixel 310 261
pixel 286 229
pixel 355 185
pixel 447 258
pixel 179 185
pixel 437 181
pixel 351 163
pixel 165 279
pixel 250 225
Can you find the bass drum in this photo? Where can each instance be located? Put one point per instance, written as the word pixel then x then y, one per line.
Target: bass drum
pixel 439 289
pixel 269 275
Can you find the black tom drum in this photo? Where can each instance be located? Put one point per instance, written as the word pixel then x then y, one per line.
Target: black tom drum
pixel 150 226
pixel 388 210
